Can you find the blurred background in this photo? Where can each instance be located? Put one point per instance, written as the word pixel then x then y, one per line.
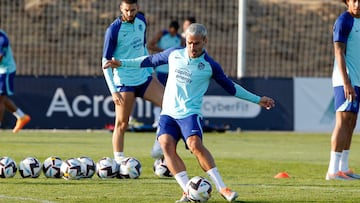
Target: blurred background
pixel 58 45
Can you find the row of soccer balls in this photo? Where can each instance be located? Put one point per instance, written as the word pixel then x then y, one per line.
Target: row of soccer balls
pixel 198 188
pixel 77 168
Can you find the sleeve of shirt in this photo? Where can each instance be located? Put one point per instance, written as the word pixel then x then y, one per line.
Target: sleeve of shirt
pixel 110 40
pixel 3 45
pixel 109 75
pixel 342 28
pixel 154 60
pixel 231 87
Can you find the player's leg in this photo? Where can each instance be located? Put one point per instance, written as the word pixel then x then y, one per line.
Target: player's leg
pixel 2 108
pixel 22 118
pixel 154 92
pixel 122 112
pixel 194 142
pixel 168 135
pixel 344 126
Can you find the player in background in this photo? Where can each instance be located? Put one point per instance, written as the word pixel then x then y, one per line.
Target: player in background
pixel 126 38
pixel 7 75
pixel 346 83
pixel 190 72
pixel 187 22
pixel 163 40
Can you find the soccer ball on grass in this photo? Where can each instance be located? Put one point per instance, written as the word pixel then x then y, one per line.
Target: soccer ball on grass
pixel 107 168
pixel 160 168
pixel 198 189
pixel 7 167
pixel 71 169
pixel 30 167
pixel 88 167
pixel 130 168
pixel 51 167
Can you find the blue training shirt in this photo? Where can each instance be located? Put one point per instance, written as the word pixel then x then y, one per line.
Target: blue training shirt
pixel 188 80
pixel 125 40
pixel 7 64
pixel 347 30
pixel 167 41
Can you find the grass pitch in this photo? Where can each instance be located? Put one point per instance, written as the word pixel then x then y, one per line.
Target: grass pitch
pixel 248 162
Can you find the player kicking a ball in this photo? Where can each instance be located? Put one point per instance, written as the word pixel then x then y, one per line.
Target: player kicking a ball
pixel 346 83
pixel 190 72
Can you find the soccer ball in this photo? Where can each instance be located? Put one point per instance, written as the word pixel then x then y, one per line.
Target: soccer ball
pixel 198 189
pixel 30 167
pixel 71 169
pixel 107 168
pixel 160 168
pixel 7 167
pixel 51 167
pixel 130 168
pixel 88 167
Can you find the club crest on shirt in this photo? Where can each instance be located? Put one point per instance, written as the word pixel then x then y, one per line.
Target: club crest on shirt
pixel 201 66
pixel 140 27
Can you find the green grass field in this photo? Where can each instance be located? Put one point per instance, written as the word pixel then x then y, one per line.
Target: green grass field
pixel 248 162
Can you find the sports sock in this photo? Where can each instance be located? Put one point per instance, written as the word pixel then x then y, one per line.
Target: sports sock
pixel 182 179
pixel 18 113
pixel 334 162
pixel 118 156
pixel 216 178
pixel 344 161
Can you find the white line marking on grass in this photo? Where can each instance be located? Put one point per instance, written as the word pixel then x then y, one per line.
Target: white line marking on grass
pixel 325 188
pixel 24 199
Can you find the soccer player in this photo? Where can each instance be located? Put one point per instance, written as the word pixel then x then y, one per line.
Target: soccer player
pixel 165 39
pixel 346 83
pixel 187 22
pixel 126 38
pixel 7 75
pixel 190 72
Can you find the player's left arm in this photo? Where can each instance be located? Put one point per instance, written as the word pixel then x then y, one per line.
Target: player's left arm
pixel 3 46
pixel 238 91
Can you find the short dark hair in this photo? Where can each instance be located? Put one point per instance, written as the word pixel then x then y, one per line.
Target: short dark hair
pixel 129 1
pixel 344 1
pixel 191 19
pixel 174 24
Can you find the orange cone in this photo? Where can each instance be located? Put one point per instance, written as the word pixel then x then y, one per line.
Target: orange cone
pixel 282 175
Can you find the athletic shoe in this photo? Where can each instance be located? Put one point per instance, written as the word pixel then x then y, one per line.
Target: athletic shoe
pixel 338 176
pixel 183 198
pixel 21 122
pixel 228 194
pixel 351 174
pixel 156 151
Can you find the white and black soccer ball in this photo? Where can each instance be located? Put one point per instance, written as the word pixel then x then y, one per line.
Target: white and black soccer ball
pixel 130 167
pixel 51 167
pixel 88 166
pixel 198 189
pixel 107 168
pixel 7 167
pixel 160 168
pixel 71 169
pixel 30 167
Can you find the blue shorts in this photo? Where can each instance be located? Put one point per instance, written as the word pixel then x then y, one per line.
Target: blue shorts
pixel 138 90
pixel 343 105
pixel 7 84
pixel 162 77
pixel 180 128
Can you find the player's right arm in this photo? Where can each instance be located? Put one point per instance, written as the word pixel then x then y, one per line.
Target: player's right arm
pixel 152 46
pixel 339 51
pixel 110 42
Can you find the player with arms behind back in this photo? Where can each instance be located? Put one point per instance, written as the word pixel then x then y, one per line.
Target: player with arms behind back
pixel 125 38
pixel 346 83
pixel 190 72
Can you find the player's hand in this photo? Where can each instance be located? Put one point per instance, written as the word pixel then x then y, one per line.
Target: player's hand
pixel 267 102
pixel 113 63
pixel 349 92
pixel 117 98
